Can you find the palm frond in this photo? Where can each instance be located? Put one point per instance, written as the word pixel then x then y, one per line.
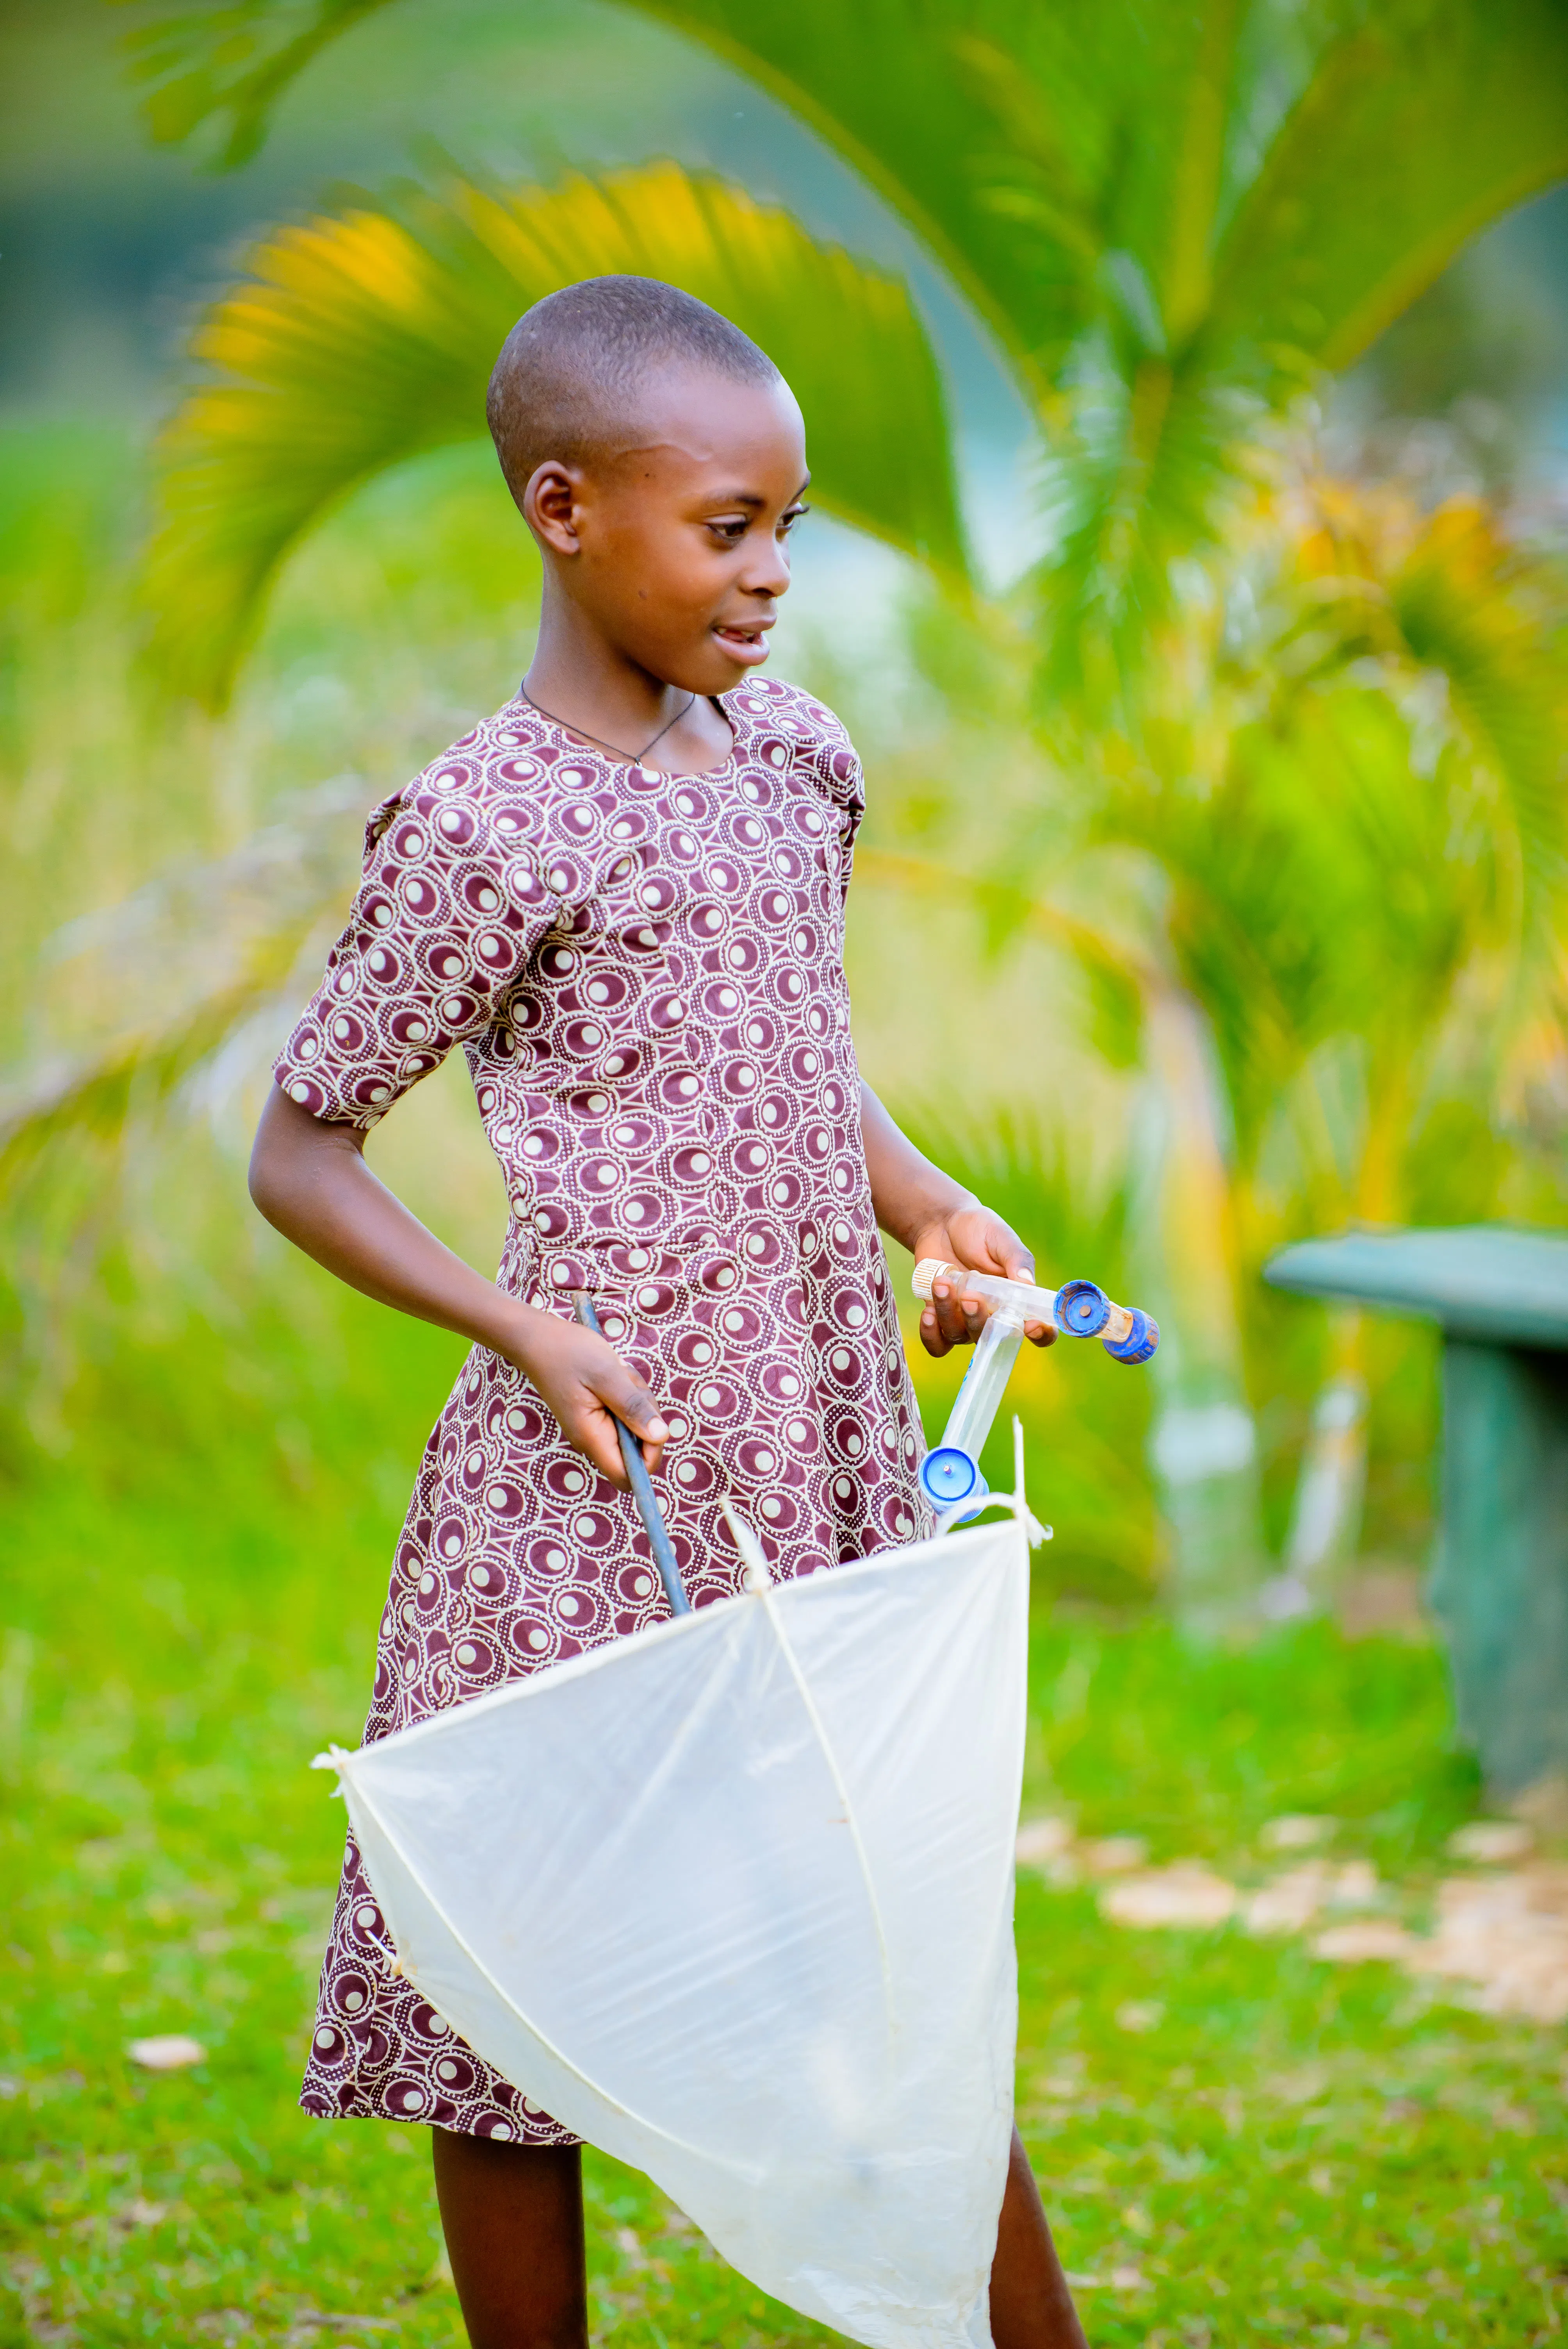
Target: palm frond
pixel 1385 810
pixel 1468 608
pixel 233 61
pixel 1171 218
pixel 361 340
pixel 1421 124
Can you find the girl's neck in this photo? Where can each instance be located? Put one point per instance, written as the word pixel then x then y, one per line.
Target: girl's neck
pixel 590 686
pixel 593 690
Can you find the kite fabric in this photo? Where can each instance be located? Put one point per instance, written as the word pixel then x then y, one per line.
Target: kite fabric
pixel 732 1898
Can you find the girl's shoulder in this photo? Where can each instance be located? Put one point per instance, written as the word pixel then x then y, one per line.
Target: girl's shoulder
pixel 772 712
pixel 513 753
pixel 512 781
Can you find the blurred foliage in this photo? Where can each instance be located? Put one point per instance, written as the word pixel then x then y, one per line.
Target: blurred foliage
pixel 167 883
pixel 356 341
pixel 1170 218
pixel 1275 753
pixel 1355 791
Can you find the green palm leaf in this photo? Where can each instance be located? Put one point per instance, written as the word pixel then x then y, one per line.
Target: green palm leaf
pixel 1181 212
pixel 234 61
pixel 1295 181
pixel 1421 124
pixel 1468 607
pixel 363 338
pixel 1390 807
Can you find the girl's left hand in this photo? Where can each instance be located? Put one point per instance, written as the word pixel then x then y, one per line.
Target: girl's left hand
pixel 972 1235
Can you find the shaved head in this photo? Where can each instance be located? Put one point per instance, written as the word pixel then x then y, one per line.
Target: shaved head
pixel 573 373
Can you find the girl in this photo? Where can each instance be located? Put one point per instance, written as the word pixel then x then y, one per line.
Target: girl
pixel 624 895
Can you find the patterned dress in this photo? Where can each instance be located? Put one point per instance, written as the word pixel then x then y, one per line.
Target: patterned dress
pixel 647 973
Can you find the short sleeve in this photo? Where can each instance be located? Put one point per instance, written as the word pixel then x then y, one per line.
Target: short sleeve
pixel 448 907
pixel 833 764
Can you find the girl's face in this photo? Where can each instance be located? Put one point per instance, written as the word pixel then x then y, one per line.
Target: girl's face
pixel 675 551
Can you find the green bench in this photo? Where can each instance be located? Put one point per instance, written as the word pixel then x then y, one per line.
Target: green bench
pixel 1499 1584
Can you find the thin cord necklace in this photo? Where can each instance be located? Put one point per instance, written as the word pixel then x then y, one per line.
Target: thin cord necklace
pixel 636 757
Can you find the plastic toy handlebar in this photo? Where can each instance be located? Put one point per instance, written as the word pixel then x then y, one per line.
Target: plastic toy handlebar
pixel 1078 1308
pixel 950 1474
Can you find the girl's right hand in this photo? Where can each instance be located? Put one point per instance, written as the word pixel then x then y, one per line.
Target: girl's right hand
pixel 309 1178
pixel 588 1387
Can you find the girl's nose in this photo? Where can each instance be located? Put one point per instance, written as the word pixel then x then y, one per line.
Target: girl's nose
pixel 769 574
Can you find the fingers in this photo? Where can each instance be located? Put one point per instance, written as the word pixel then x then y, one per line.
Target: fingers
pixel 592 1432
pixel 1040 1333
pixel 982 1239
pixel 1013 1259
pixel 617 1393
pixel 590 1428
pixel 588 1387
pixel 633 1406
pixel 949 1319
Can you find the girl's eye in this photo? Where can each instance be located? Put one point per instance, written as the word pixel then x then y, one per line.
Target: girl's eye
pixel 731 533
pixel 787 521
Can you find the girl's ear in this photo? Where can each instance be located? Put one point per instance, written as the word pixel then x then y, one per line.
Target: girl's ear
pixel 550 505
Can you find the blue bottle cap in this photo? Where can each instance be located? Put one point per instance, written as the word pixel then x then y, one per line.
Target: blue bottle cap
pixel 1083 1309
pixel 949 1475
pixel 1140 1341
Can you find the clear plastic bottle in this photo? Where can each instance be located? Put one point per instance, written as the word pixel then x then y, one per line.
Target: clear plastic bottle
pixel 950 1474
pixel 985 1380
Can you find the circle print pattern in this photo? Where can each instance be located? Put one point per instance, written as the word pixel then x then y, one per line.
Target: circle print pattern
pixel 645 973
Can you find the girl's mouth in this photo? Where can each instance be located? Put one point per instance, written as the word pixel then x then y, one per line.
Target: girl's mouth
pixel 747 645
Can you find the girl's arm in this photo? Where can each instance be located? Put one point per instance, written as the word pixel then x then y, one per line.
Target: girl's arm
pixel 309 1178
pixel 931 1215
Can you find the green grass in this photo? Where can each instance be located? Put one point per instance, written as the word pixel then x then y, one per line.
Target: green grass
pixel 1263 2148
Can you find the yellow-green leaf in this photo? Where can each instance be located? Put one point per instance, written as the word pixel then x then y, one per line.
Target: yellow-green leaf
pixel 364 337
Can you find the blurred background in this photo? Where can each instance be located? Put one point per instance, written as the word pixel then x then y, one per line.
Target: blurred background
pixel 1188 397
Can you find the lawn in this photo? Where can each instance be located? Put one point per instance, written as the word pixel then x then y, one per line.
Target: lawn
pixel 1238 2142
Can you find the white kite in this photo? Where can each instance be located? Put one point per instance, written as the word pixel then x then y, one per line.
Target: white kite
pixel 733 1898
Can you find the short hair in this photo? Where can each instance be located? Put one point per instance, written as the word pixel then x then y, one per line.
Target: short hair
pixel 567 380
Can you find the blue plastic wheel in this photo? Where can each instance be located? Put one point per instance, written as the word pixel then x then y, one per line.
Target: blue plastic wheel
pixel 1082 1308
pixel 948 1475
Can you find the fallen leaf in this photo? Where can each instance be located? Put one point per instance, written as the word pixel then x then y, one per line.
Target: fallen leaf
pixel 1042 1839
pixel 169 2052
pixel 1290 1902
pixel 1296 1831
pixel 1493 1842
pixel 137 2213
pixel 1114 1855
pixel 1373 1938
pixel 1140 2014
pixel 1185 1893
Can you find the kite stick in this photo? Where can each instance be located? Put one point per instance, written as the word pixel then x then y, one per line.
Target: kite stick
pixel 335 1760
pixel 641 1484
